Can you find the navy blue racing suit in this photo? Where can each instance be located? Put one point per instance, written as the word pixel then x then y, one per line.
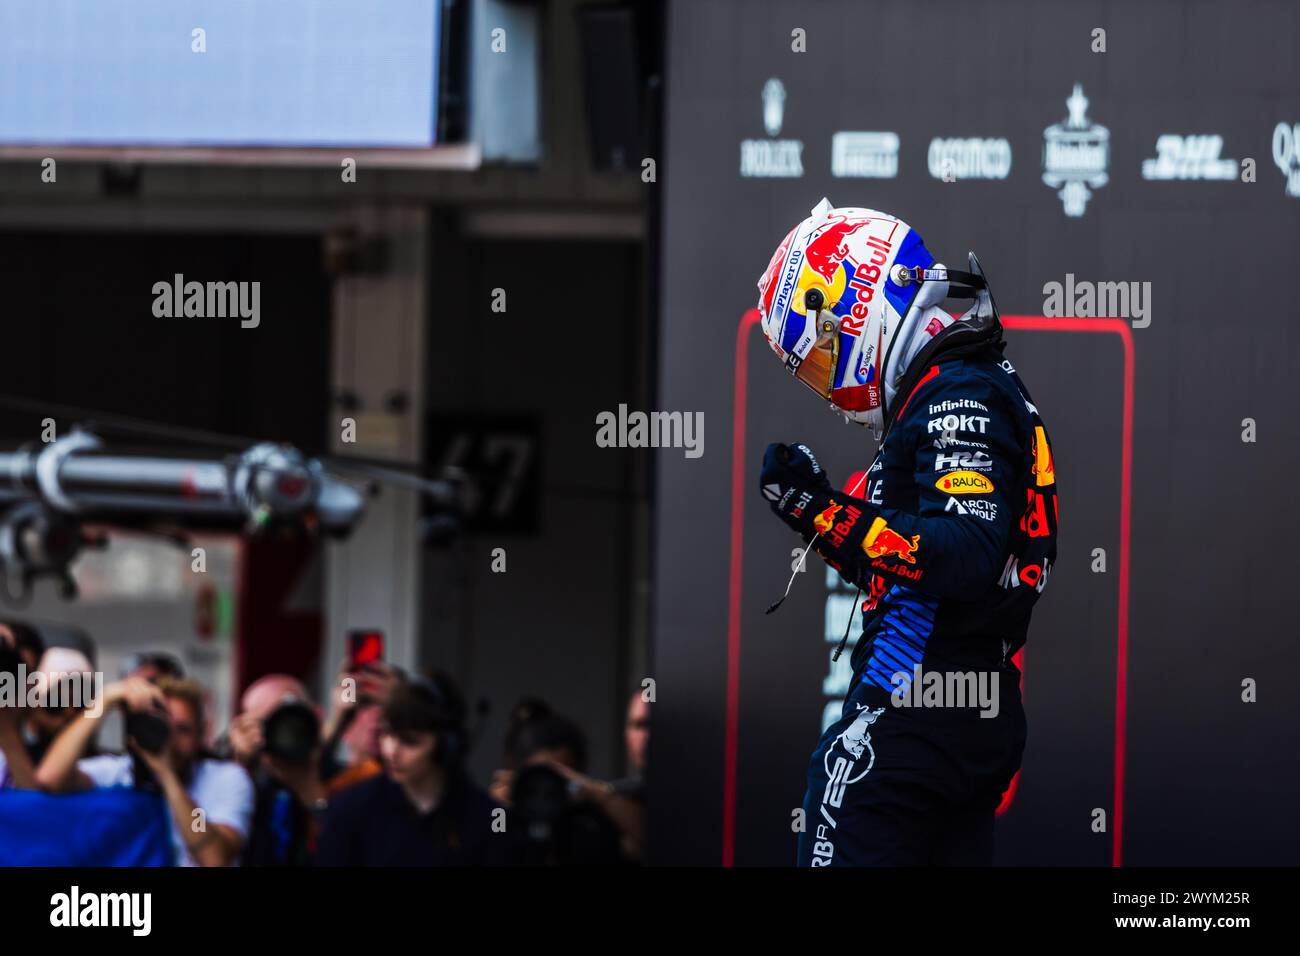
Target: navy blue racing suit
pixel 952 539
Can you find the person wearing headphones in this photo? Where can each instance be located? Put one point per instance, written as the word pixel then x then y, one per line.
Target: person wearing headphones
pixel 423 810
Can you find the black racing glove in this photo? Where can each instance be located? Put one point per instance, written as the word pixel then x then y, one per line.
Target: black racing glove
pixel 802 496
pixel 790 478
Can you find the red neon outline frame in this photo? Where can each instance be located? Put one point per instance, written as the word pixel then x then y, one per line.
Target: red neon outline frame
pixel 1031 323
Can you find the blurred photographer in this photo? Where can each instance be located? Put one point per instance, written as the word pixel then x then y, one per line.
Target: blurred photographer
pixel 210 801
pixel 21 648
pixel 536 734
pixel 423 810
pixel 47 700
pixel 276 738
pixel 571 819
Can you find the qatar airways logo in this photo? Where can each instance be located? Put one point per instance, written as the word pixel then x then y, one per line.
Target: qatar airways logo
pixel 1286 154
pixel 1076 154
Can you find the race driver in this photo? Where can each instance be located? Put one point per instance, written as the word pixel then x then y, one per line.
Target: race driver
pixel 950 534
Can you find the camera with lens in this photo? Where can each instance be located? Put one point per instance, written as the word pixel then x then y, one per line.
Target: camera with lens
pixel 291 732
pixel 559 831
pixel 150 729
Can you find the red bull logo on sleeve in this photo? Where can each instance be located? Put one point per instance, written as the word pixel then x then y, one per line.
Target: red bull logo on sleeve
pixel 824 521
pixel 882 540
pixel 897 568
pixel 840 530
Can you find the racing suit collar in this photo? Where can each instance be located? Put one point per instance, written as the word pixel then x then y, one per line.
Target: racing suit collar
pixel 922 326
pixel 962 338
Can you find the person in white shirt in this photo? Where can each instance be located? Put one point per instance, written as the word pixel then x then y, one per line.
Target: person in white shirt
pixel 26 732
pixel 210 802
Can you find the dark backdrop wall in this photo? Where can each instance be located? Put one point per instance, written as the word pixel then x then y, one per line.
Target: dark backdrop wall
pixel 1208 778
pixel 562 621
pixel 80 330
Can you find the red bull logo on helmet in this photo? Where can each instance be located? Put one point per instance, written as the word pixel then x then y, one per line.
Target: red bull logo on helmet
pixel 846 254
pixel 848 260
pixel 866 277
pixel 882 540
pixel 830 247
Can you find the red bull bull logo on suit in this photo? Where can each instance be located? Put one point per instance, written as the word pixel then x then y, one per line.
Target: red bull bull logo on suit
pixel 881 540
pixel 855 743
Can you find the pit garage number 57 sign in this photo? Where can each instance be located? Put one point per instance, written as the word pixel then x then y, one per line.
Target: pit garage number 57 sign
pixel 499 457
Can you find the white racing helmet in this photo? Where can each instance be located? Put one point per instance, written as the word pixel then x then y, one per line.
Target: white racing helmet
pixel 842 288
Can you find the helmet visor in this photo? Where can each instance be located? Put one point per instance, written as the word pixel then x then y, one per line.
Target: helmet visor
pixel 817 368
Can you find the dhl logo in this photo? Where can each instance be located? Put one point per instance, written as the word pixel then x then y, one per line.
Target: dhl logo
pixel 964 483
pixel 824 521
pixel 882 540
